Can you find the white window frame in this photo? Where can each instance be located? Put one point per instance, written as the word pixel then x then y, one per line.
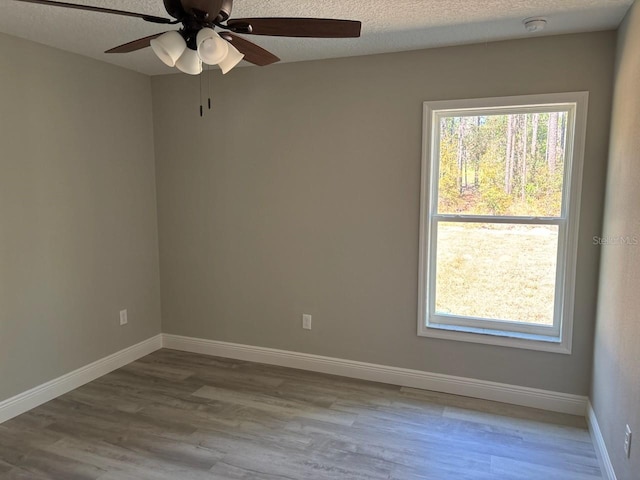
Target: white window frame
pixel 557 338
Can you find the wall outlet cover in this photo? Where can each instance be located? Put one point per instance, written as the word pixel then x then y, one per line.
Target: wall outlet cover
pixel 306 321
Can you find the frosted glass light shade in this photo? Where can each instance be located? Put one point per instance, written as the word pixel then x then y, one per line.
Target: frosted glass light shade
pixel 233 58
pixel 211 48
pixel 189 62
pixel 168 47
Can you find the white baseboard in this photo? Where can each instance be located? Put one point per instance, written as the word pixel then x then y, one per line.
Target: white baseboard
pixel 25 401
pixel 500 392
pixel 598 442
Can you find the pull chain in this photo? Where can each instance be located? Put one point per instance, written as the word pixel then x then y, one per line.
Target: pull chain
pixel 210 80
pixel 201 109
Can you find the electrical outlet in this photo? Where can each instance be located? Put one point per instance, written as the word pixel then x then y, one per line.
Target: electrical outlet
pixel 627 441
pixel 123 317
pixel 306 322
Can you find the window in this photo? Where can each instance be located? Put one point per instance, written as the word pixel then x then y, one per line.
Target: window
pixel 501 184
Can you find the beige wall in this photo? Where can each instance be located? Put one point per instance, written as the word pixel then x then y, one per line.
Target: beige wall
pixel 78 229
pixel 299 193
pixel 616 375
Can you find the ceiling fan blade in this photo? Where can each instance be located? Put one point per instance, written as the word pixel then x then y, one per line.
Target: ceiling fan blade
pixel 148 18
pixel 252 52
pixel 203 9
pixel 135 45
pixel 297 27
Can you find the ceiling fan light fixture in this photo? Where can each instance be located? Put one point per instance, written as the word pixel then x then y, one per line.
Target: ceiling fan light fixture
pixel 168 47
pixel 233 58
pixel 189 62
pixel 189 47
pixel 212 49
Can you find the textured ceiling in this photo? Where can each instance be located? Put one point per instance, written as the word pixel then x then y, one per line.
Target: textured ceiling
pixel 388 26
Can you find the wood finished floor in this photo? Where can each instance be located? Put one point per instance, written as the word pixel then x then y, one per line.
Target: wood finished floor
pixel 175 415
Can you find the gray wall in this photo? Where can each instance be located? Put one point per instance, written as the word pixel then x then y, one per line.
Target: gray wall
pixel 78 227
pixel 616 375
pixel 299 193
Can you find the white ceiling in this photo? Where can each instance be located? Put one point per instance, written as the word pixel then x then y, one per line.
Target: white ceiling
pixel 388 25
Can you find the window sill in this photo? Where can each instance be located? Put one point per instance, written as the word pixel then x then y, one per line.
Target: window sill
pixel 495 337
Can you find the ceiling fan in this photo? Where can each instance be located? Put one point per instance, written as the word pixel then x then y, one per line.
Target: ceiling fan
pixel 197 42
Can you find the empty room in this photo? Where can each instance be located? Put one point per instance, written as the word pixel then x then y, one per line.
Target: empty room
pixel 336 240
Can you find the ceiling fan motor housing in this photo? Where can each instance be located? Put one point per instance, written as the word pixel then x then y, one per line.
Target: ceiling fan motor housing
pixel 174 8
pixel 225 10
pixel 197 10
pixel 204 11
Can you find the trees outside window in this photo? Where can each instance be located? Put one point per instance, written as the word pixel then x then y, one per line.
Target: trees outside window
pixel 501 187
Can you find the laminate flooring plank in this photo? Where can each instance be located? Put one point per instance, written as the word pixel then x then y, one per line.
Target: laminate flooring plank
pixel 21 474
pixel 519 424
pixel 518 470
pixel 316 465
pixel 122 459
pixel 278 406
pixel 51 465
pixel 248 441
pixel 5 467
pixel 174 415
pixel 488 406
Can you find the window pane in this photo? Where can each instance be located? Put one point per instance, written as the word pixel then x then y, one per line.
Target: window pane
pixel 511 165
pixel 496 271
